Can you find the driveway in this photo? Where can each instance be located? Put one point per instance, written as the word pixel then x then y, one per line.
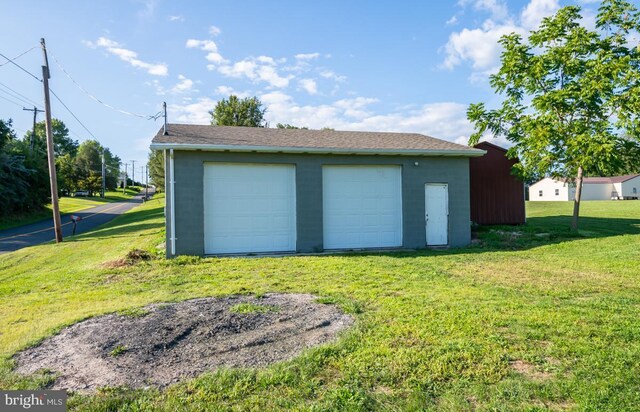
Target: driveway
pixel 41 232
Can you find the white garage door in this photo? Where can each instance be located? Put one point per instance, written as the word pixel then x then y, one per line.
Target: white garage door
pixel 362 206
pixel 249 208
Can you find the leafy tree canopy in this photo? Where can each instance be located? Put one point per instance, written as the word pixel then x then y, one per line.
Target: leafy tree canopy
pixel 289 126
pixel 238 112
pixel 62 143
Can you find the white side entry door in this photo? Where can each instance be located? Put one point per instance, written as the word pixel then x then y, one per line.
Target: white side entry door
pixel 436 197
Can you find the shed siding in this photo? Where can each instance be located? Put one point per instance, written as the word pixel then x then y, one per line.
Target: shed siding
pixel 497 197
pixel 548 187
pixel 596 191
pixel 627 188
pixel 189 186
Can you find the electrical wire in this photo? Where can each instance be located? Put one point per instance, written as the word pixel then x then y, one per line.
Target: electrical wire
pixel 20 67
pixel 17 95
pixel 85 91
pixel 11 101
pixel 72 114
pixel 20 55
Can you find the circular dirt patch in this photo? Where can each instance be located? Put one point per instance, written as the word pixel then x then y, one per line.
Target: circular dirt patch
pixel 163 343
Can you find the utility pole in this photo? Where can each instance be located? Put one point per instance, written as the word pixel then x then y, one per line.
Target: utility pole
pixel 133 172
pixel 35 111
pixel 164 109
pixel 146 186
pixel 124 185
pixel 51 157
pixel 104 175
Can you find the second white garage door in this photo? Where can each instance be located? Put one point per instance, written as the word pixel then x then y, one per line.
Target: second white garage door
pixel 249 208
pixel 362 206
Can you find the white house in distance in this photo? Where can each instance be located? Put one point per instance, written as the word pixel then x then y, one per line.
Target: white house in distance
pixel 593 188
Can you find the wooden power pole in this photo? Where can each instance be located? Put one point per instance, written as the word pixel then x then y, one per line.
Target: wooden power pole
pixel 51 157
pixel 35 111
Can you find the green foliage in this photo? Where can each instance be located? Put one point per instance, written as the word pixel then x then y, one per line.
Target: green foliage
pixel 88 167
pixel 289 126
pixel 238 112
pixel 156 169
pixel 133 312
pixel 247 308
pixel 62 143
pixel 24 185
pixel 118 350
pixel 568 93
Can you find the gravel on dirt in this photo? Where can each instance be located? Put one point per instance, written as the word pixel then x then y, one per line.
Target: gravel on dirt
pixel 164 343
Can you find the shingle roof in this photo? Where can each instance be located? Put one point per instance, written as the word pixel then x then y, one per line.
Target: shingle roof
pixel 612 179
pixel 204 137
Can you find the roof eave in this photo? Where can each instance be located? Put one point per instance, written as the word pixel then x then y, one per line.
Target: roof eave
pixel 318 150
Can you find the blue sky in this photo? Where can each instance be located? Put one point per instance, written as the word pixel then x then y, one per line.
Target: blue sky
pixel 356 65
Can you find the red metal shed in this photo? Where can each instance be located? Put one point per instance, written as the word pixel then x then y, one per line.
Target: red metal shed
pixel 497 197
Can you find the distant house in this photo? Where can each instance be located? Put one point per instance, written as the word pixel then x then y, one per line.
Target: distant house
pixel 593 188
pixel 261 190
pixel 497 197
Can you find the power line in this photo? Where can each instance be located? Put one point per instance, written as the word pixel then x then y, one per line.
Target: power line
pixel 11 101
pixel 18 56
pixel 20 67
pixel 85 91
pixel 17 94
pixel 72 114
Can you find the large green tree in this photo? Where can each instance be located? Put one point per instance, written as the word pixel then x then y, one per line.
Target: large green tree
pixel 89 166
pixel 569 94
pixel 24 185
pixel 156 169
pixel 238 112
pixel 62 143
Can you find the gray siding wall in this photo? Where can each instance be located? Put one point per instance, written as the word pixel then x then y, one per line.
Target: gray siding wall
pixel 189 186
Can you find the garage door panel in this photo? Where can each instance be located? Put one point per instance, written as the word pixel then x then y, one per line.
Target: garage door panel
pixel 249 208
pixel 362 206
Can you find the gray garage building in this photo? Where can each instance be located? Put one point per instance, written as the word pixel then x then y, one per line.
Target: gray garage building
pixel 234 190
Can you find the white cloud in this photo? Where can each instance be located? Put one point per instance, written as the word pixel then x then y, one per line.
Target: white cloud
pixel 536 10
pixel 330 74
pixel 307 56
pixel 497 8
pixel 309 85
pixel 444 120
pixel 210 47
pixel 228 91
pixel 129 56
pixel 214 31
pixel 479 46
pixel 452 21
pixel 260 69
pixel 184 85
pixel 194 113
pixel 176 18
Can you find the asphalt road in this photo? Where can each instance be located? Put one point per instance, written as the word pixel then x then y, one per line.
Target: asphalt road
pixel 41 232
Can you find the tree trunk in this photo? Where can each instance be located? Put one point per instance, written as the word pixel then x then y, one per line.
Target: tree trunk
pixel 576 200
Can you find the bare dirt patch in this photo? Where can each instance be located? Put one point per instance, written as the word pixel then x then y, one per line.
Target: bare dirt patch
pixel 530 370
pixel 164 343
pixel 133 256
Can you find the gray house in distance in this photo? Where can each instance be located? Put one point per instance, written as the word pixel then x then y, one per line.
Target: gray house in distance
pixel 238 190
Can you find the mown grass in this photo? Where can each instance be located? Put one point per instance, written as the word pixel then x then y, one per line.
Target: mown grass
pixel 530 318
pixel 68 205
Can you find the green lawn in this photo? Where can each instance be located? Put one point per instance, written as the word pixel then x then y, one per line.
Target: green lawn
pixel 530 318
pixel 68 205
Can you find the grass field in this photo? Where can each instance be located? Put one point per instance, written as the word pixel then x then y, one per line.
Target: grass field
pixel 529 318
pixel 68 205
